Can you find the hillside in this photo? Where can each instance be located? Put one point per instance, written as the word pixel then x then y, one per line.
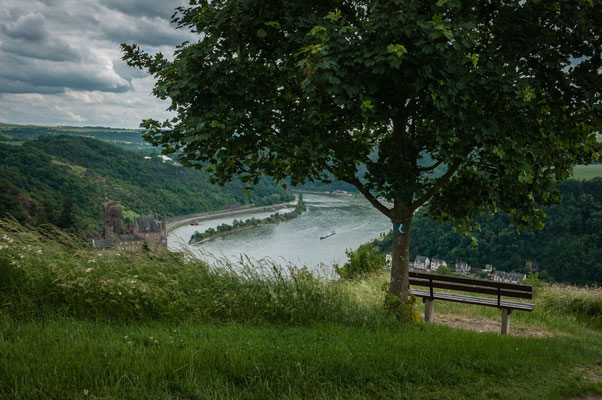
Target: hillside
pixel 78 324
pixel 567 249
pixel 38 177
pixel 129 139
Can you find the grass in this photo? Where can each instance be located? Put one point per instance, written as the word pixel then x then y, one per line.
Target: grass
pixel 71 327
pixel 65 358
pixel 587 171
pixel 76 168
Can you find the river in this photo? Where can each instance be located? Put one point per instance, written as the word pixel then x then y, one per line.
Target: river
pixel 296 241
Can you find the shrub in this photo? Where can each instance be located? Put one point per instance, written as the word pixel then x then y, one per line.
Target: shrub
pixel 365 260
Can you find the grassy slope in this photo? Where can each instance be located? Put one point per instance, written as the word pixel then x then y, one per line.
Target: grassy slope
pixel 76 324
pixel 65 358
pixel 587 171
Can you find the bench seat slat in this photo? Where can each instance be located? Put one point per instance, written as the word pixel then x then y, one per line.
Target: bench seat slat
pixel 462 298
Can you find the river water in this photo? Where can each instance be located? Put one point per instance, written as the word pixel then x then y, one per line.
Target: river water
pixel 296 241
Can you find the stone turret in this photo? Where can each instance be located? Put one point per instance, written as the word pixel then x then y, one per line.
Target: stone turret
pixel 111 220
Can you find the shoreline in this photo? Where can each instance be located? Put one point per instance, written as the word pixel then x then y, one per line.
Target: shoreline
pixel 220 234
pixel 177 222
pixel 265 221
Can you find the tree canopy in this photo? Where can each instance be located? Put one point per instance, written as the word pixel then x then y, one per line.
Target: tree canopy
pixel 503 97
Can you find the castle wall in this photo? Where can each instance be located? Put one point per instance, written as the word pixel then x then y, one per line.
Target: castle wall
pixel 111 220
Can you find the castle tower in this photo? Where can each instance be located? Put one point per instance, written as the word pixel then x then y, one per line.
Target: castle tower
pixel 111 220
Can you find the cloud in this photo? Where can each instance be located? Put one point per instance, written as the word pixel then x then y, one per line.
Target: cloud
pixel 60 60
pixel 28 37
pixel 52 50
pixel 27 27
pixel 76 118
pixel 144 8
pixel 22 75
pixel 145 31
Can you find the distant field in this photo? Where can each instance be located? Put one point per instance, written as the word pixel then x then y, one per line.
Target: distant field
pixel 130 139
pixel 587 171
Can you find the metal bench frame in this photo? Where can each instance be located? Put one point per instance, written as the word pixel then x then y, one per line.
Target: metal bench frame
pixel 471 285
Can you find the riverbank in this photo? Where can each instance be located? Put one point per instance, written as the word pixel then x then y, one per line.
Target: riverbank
pixel 177 222
pixel 237 226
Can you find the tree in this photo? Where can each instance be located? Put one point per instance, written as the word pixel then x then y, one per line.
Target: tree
pixel 365 260
pixel 470 106
pixel 66 220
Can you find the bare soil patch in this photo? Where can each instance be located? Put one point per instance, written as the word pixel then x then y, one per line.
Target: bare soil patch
pixel 488 325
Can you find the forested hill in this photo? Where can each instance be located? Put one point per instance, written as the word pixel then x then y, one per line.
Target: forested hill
pixel 568 249
pixel 39 179
pixel 129 139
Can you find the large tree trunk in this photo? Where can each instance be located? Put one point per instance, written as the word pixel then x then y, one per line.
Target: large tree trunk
pixel 400 285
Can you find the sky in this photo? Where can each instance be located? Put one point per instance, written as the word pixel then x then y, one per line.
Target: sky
pixel 60 60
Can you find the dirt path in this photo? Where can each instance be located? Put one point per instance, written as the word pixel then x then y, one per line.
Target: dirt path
pixel 488 325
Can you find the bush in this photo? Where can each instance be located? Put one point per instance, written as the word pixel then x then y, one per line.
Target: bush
pixel 365 260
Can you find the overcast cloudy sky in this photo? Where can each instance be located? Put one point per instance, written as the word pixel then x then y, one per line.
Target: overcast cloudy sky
pixel 60 61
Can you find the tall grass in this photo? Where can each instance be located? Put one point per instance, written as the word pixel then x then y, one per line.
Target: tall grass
pixel 583 303
pixel 45 271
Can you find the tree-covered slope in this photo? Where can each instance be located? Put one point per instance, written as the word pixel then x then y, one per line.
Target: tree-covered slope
pixel 567 249
pixel 38 177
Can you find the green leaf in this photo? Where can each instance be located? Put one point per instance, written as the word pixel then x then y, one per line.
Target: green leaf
pixel 367 105
pixel 525 177
pixel 272 24
pixel 474 58
pixel 261 33
pixel 397 50
pixel 334 16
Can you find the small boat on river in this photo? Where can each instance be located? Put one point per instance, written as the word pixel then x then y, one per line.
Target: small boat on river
pixel 328 235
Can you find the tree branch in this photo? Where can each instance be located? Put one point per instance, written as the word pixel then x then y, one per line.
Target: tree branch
pixel 432 167
pixel 364 191
pixel 438 184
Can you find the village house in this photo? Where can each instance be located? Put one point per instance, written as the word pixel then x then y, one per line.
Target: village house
pixel 421 262
pixel 488 268
pixel 509 277
pixel 462 268
pixel 436 263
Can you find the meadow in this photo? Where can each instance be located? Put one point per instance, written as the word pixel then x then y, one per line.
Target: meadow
pixel 587 171
pixel 76 323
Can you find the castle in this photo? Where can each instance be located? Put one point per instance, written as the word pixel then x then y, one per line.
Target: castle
pixel 147 230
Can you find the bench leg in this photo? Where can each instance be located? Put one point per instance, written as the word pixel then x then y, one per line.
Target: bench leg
pixel 429 309
pixel 506 321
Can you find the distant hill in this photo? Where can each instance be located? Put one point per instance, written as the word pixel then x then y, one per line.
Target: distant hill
pixel 130 139
pixel 39 178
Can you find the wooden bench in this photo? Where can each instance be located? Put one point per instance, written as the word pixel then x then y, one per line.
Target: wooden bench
pixel 472 285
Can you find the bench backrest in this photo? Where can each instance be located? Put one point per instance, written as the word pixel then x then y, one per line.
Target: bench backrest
pixel 473 285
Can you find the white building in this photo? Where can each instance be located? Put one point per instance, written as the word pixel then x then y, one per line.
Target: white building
pixel 462 268
pixel 435 264
pixel 422 262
